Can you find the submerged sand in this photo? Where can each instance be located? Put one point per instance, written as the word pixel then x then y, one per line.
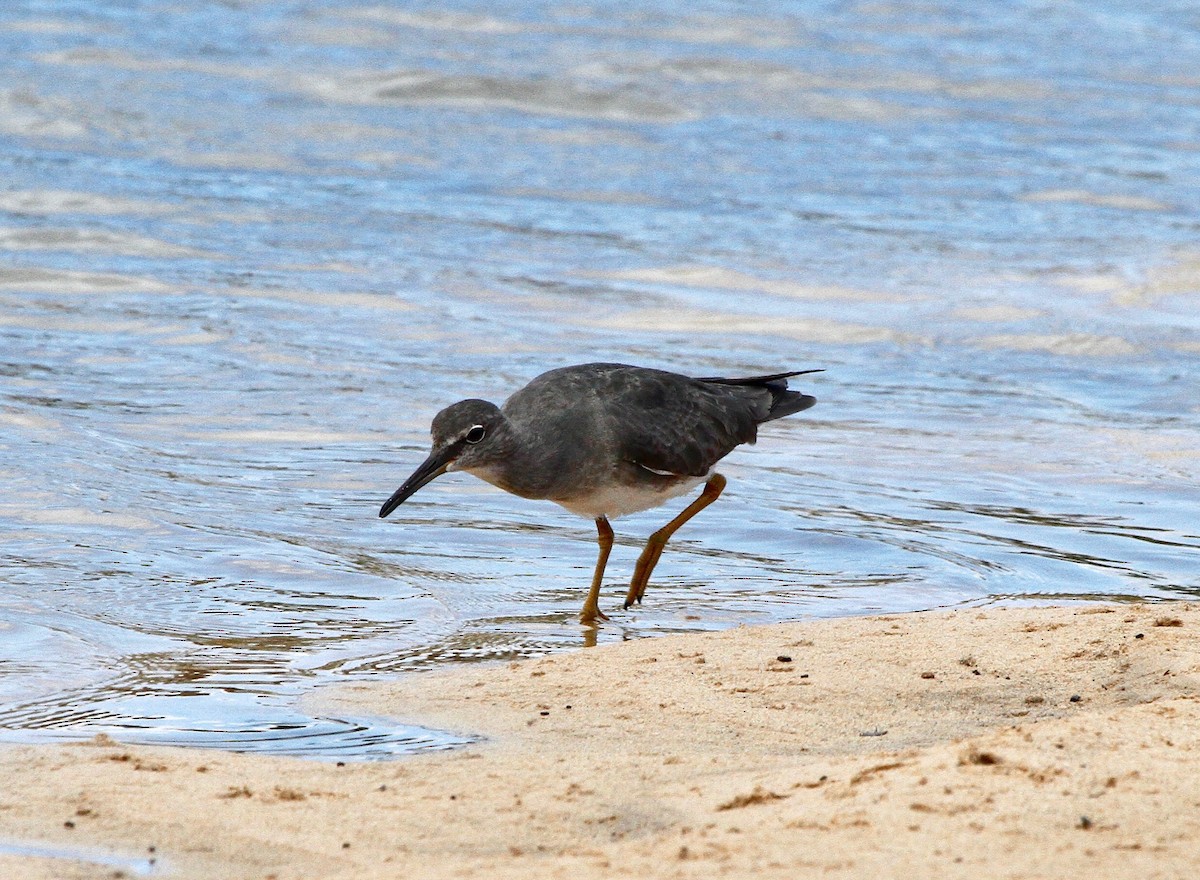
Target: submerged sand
pixel 1002 742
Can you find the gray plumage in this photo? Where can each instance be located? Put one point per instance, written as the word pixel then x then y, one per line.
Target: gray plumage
pixel 604 440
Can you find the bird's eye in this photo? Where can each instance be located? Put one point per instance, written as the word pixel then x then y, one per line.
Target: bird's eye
pixel 475 434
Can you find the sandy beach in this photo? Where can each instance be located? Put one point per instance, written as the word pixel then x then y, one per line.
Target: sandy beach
pixel 998 742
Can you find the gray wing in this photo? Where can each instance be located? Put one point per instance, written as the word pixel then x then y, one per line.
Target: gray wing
pixel 662 421
pixel 673 424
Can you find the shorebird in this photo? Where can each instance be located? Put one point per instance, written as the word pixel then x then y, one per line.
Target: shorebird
pixel 605 440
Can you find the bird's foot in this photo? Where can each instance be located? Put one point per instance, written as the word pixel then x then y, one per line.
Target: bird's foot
pixel 637 589
pixel 590 616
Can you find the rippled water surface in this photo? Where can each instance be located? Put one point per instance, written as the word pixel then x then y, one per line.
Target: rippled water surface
pixel 248 249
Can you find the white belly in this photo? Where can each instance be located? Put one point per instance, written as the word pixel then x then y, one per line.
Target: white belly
pixel 614 501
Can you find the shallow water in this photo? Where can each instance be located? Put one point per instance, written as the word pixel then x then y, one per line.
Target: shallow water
pixel 140 866
pixel 248 250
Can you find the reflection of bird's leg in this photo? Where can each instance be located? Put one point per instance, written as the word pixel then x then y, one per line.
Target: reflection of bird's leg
pixel 654 546
pixel 591 606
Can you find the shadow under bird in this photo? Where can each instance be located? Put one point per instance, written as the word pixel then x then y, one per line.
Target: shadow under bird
pixel 605 440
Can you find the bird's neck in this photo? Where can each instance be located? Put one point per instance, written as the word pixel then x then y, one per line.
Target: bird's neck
pixel 520 466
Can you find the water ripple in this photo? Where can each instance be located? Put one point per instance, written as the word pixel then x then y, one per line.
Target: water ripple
pixel 243 273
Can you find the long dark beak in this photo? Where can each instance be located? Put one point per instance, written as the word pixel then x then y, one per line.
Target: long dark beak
pixel 432 468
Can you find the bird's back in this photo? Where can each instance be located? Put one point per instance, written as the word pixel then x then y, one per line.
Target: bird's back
pixel 662 421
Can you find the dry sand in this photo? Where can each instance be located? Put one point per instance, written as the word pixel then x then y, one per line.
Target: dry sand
pixel 1006 742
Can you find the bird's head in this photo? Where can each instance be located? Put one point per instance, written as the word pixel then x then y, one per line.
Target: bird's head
pixel 467 435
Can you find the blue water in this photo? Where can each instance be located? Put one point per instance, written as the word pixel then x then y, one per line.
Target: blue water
pixel 139 866
pixel 247 251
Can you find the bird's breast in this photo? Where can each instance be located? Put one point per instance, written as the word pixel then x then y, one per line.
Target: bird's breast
pixel 619 499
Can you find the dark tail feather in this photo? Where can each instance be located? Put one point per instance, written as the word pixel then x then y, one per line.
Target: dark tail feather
pixel 788 402
pixel 783 402
pixel 761 380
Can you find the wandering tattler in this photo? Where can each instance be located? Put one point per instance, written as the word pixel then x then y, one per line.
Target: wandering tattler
pixel 604 440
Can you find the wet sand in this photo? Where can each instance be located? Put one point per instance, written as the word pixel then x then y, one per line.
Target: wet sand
pixel 998 742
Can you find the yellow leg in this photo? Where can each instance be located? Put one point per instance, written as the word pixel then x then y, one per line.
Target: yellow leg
pixel 591 606
pixel 654 546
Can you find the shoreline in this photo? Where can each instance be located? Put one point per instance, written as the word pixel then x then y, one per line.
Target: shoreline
pixel 1012 741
